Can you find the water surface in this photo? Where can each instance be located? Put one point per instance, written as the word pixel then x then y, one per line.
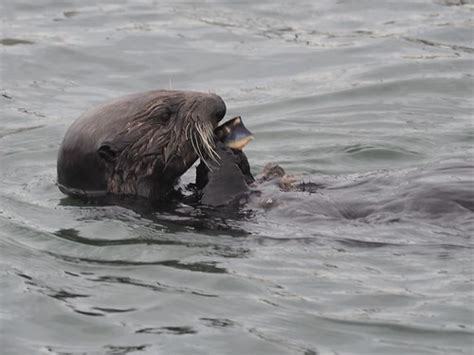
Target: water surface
pixel 372 100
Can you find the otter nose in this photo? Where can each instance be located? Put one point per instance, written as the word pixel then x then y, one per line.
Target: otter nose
pixel 218 109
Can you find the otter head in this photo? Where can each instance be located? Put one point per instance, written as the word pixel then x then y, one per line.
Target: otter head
pixel 139 144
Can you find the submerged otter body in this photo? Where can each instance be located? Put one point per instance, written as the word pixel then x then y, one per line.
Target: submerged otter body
pixel 139 144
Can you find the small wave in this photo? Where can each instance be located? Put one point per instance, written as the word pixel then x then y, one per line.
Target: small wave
pixel 168 330
pixel 454 47
pixel 380 152
pixel 14 41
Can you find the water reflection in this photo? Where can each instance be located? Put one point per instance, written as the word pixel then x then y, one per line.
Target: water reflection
pixel 172 217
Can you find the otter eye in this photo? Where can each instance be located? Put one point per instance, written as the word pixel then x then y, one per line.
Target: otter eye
pixel 165 117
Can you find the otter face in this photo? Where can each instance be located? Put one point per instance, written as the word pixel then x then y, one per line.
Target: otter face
pixel 166 138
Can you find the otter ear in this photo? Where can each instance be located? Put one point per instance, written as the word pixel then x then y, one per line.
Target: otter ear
pixel 107 152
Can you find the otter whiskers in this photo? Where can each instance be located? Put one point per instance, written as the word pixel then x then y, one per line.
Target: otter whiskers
pixel 207 135
pixel 201 135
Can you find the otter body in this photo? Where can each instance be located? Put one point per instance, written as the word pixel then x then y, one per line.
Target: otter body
pixel 139 144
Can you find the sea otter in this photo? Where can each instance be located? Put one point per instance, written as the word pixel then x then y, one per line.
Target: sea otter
pixel 139 144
